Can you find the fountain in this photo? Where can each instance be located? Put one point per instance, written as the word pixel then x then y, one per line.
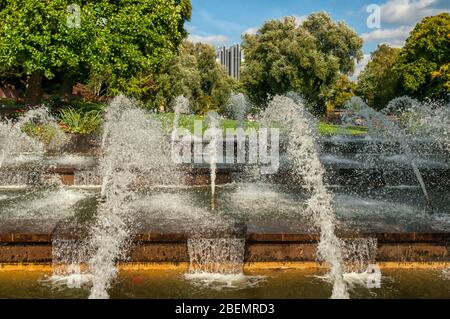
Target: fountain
pixel 309 172
pixel 15 142
pixel 129 204
pixel 19 149
pixel 237 108
pixel 382 129
pixel 430 119
pixel 128 156
pixel 181 106
pixel 213 133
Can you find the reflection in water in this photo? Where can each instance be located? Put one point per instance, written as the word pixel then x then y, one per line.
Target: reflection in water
pixel 276 283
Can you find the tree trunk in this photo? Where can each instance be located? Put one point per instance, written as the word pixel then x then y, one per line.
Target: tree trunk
pixel 34 88
pixel 66 86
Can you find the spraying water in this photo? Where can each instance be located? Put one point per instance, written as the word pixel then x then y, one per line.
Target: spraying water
pixel 238 106
pixel 436 120
pixel 309 172
pixel 14 141
pixel 216 255
pixel 181 106
pixel 25 142
pixel 381 128
pixel 213 122
pixel 128 156
pixel 216 250
pixel 429 119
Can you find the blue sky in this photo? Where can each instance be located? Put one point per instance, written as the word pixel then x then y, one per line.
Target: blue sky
pixel 222 22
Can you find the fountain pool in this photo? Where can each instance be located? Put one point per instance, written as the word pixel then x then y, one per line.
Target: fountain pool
pixel 349 205
pixel 273 283
pixel 387 209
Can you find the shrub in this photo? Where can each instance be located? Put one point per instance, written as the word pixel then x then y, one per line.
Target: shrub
pixel 80 123
pixel 42 132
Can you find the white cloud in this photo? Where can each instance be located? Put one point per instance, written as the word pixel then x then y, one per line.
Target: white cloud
pixel 408 12
pixel 360 66
pixel 300 19
pixel 402 16
pixel 394 37
pixel 252 31
pixel 210 39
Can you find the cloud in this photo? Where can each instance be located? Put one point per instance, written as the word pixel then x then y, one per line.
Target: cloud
pixel 300 19
pixel 394 37
pixel 401 16
pixel 409 12
pixel 252 31
pixel 360 66
pixel 217 39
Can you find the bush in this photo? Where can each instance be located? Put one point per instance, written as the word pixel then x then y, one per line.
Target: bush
pixel 80 123
pixel 42 132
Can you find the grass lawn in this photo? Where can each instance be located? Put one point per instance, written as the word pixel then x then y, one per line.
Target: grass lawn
pixel 187 122
pixel 331 129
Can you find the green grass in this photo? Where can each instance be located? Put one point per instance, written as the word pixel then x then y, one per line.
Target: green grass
pixel 331 129
pixel 187 122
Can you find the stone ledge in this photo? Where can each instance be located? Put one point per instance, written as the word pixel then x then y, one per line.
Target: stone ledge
pixel 254 252
pixel 159 247
pixel 160 237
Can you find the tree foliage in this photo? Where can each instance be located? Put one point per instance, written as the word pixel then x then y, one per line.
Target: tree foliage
pixel 378 83
pixel 119 43
pixel 423 64
pixel 135 39
pixel 195 74
pixel 342 91
pixel 306 59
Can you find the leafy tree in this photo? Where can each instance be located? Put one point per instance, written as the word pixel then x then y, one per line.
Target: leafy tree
pixel 195 74
pixel 442 77
pixel 305 59
pixel 118 42
pixel 135 39
pixel 378 83
pixel 34 40
pixel 342 91
pixel 423 64
pixel 335 38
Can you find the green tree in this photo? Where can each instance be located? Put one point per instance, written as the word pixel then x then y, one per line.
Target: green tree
pixel 378 83
pixel 305 59
pixel 442 77
pixel 424 60
pixel 134 40
pixel 34 40
pixel 342 91
pixel 195 74
pixel 119 42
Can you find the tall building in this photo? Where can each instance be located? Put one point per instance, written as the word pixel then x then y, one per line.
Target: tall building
pixel 231 58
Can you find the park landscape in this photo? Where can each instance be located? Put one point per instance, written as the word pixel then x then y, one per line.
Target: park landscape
pixel 133 166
